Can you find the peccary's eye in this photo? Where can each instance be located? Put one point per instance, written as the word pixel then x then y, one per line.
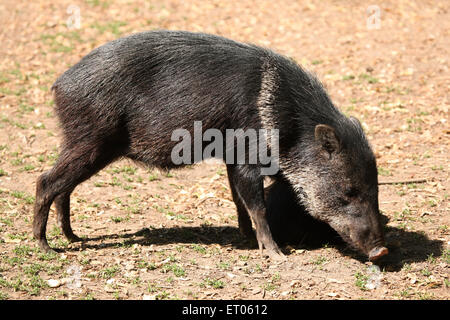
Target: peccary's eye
pixel 343 201
pixel 351 192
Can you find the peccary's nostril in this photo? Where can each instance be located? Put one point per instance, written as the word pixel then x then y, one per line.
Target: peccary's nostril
pixel 377 253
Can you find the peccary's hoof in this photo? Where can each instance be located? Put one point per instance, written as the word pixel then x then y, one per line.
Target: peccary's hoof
pixel 73 238
pixel 43 245
pixel 377 253
pixel 276 256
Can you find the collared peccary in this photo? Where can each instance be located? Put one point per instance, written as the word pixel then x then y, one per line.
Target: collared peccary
pixel 126 98
pixel 289 221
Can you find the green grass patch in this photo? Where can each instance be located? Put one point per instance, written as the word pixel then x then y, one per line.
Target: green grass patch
pixel 112 26
pixel 214 283
pixel 361 280
pixel 384 172
pixel 110 272
pixel 176 269
pixel 370 79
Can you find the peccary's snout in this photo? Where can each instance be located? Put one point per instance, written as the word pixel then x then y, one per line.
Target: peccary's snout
pixel 377 253
pixel 373 242
pixel 377 248
pixel 366 233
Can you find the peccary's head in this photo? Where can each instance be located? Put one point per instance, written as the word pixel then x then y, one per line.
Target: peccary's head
pixel 336 179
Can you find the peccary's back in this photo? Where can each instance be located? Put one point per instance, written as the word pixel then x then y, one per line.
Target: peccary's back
pixel 145 86
pixel 180 75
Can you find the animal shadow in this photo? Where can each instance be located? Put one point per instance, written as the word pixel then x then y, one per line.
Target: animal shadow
pixel 404 246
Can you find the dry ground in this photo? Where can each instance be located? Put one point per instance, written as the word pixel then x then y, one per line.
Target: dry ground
pixel 156 235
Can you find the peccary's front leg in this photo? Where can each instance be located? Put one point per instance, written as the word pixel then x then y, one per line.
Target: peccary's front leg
pixel 248 185
pixel 245 223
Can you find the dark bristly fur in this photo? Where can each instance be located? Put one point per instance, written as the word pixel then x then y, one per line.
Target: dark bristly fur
pixel 125 98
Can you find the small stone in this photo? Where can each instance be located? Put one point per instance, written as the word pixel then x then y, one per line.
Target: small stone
pixel 371 286
pixel 109 289
pixel 241 263
pixel 129 266
pixel 256 290
pixel 331 280
pixel 53 283
pixel 295 283
pixel 333 294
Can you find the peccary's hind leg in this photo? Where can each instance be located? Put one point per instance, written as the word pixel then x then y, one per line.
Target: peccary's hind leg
pixel 62 204
pixel 74 166
pixel 42 205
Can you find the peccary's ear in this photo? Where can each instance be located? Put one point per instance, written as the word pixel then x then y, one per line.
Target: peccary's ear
pixel 356 121
pixel 326 136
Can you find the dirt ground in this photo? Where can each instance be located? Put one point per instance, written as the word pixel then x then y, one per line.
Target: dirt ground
pixel 173 235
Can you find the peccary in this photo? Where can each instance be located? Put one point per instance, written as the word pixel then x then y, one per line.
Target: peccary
pixel 127 97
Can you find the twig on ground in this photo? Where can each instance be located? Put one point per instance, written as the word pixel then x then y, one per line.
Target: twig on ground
pixel 403 181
